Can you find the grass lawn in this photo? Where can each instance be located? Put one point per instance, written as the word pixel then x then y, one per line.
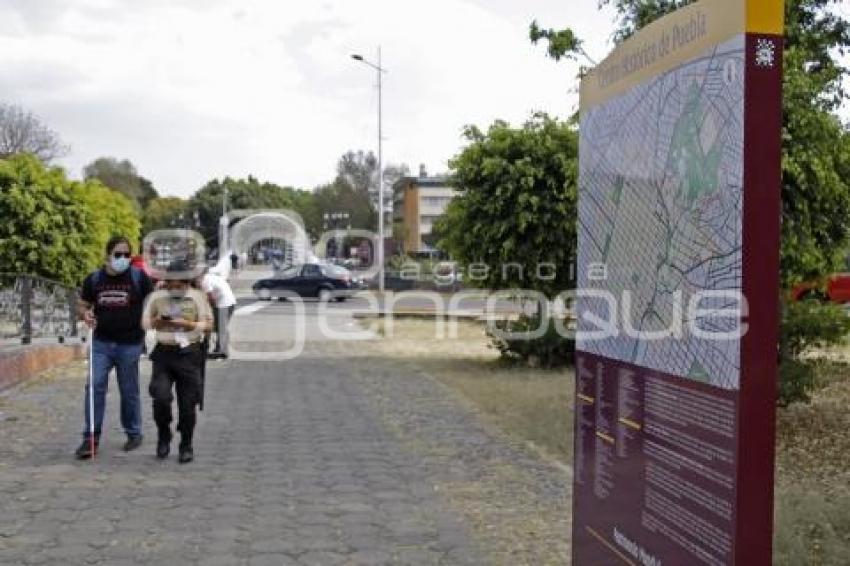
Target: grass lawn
pixel 813 441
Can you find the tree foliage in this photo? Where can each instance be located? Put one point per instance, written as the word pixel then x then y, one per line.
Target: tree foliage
pixel 516 212
pixel 360 170
pixel 241 194
pixel 561 44
pixel 121 176
pixel 23 132
pixel 815 146
pixel 55 227
pixel 43 229
pixel 340 196
pixel 806 325
pixel 635 14
pixel 110 213
pixel 161 213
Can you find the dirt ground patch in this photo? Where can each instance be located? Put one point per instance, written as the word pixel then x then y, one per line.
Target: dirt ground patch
pixel 813 475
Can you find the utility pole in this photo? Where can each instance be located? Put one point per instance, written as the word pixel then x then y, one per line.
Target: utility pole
pixel 380 178
pixel 380 251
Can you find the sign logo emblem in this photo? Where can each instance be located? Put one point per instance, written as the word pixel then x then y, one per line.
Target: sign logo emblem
pixel 765 53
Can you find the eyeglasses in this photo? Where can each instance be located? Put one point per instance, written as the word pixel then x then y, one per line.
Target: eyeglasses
pixel 118 255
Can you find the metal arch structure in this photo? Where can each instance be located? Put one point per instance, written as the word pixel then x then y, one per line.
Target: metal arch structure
pixel 254 225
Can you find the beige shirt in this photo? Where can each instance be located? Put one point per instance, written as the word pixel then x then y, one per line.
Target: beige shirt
pixel 194 306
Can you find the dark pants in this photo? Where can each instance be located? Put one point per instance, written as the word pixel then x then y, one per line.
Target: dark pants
pixel 181 368
pixel 205 351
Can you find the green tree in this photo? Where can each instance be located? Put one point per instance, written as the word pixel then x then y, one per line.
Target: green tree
pixel 147 191
pixel 517 205
pixel 160 213
pixel 360 170
pixel 110 213
pixel 516 215
pixel 44 226
pixel 242 194
pixel 340 196
pixel 304 203
pixel 121 176
pixel 55 227
pixel 562 44
pixel 636 14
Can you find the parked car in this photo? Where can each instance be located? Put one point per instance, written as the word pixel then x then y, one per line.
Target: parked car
pixel 836 290
pixel 323 281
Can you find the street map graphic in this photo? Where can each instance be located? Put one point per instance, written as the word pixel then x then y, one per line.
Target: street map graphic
pixel 660 203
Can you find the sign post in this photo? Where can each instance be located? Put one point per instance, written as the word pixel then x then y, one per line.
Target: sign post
pixel 676 360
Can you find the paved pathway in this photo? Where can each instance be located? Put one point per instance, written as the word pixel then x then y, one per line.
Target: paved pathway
pixel 333 458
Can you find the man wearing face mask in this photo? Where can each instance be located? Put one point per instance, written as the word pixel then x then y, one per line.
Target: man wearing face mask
pixel 180 315
pixel 111 301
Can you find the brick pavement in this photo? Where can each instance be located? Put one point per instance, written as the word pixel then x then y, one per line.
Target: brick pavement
pixel 311 461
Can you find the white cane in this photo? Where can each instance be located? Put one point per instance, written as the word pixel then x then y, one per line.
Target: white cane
pixel 91 393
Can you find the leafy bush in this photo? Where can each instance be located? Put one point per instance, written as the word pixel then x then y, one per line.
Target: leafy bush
pixel 806 325
pixel 796 380
pixel 515 212
pixel 56 227
pixel 549 351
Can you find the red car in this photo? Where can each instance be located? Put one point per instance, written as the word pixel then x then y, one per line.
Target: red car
pixel 836 290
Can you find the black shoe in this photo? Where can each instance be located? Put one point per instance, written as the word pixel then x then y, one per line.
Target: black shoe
pixel 186 455
pixel 87 449
pixel 163 448
pixel 163 445
pixel 132 443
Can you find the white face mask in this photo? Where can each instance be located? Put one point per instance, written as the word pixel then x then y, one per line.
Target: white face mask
pixel 119 264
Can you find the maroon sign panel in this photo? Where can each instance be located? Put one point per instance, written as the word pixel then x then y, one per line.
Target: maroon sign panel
pixel 678 264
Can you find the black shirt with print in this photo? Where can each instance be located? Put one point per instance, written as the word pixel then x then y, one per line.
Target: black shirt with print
pixel 117 305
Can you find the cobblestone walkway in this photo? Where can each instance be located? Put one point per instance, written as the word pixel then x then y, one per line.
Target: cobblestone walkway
pixel 332 458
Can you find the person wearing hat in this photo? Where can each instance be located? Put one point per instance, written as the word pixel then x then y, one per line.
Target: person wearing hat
pixel 180 316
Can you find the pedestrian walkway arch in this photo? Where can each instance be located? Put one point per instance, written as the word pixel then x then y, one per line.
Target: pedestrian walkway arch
pixel 277 227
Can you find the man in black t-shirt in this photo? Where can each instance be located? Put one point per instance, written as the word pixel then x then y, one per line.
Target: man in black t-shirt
pixel 111 300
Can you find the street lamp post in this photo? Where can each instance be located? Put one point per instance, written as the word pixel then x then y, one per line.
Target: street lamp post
pixel 380 70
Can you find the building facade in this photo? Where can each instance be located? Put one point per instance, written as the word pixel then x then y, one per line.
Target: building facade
pixel 418 203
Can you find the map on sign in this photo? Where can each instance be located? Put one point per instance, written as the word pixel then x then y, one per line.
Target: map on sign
pixel 661 176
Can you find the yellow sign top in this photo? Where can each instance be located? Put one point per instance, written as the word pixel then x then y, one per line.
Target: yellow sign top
pixel 675 39
pixel 765 16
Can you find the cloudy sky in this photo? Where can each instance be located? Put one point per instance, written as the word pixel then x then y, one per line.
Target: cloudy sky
pixel 190 90
pixel 194 89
